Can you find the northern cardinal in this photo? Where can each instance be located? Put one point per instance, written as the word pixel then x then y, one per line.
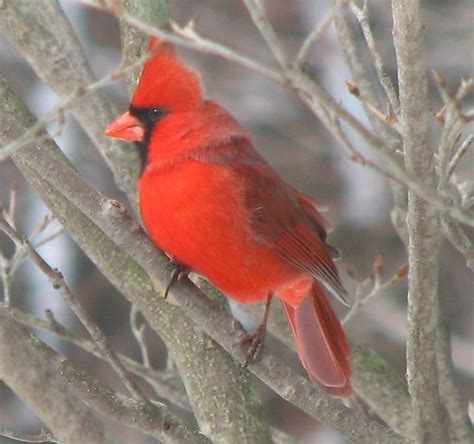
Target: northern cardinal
pixel 210 201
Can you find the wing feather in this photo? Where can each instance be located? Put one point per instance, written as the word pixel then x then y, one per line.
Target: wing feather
pixel 282 216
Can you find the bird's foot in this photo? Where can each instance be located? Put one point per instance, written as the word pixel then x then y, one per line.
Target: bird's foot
pixel 256 340
pixel 178 273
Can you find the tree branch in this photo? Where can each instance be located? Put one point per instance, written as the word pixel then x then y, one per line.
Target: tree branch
pixel 362 15
pixel 154 377
pixel 313 37
pixel 58 282
pixel 259 17
pixel 43 389
pixel 152 419
pixel 460 428
pixel 459 239
pixel 43 436
pixel 423 226
pixel 448 158
pixel 134 42
pixel 362 293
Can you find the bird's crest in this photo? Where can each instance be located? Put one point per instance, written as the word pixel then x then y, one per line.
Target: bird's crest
pixel 166 82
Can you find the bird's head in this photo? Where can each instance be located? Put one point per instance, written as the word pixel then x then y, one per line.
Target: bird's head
pixel 166 87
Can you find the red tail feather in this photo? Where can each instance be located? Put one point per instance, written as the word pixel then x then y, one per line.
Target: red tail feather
pixel 321 342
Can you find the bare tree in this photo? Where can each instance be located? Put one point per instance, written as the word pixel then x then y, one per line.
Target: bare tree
pixel 202 393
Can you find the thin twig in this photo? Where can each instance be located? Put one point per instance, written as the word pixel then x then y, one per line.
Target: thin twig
pixel 12 206
pixel 378 287
pixel 355 155
pixel 259 17
pixel 20 253
pixel 6 280
pixel 43 436
pixel 465 87
pixel 42 225
pixel 58 283
pixel 465 189
pixel 458 155
pixel 459 239
pixel 313 37
pixel 367 91
pixel 452 125
pixel 138 332
pixel 448 158
pixel 387 119
pixel 6 263
pixel 458 424
pixel 362 15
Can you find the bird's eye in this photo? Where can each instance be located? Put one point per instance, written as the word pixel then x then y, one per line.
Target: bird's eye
pixel 154 114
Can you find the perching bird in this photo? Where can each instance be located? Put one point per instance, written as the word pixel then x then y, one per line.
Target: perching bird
pixel 211 202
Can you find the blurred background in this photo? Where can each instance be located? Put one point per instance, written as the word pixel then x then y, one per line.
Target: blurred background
pixel 299 148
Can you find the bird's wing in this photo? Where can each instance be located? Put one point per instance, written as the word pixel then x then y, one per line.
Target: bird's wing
pixel 285 218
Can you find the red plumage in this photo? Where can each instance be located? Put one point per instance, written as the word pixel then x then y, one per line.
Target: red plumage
pixel 212 203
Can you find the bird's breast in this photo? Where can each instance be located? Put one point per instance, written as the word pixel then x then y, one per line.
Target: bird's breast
pixel 196 213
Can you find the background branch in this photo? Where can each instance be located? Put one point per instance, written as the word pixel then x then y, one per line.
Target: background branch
pixel 152 419
pixel 58 282
pixel 43 436
pixel 155 378
pixel 164 388
pixel 459 427
pixel 55 402
pixel 423 226
pixel 134 42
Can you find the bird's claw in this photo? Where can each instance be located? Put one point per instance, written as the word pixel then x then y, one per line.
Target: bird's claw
pixel 178 272
pixel 256 339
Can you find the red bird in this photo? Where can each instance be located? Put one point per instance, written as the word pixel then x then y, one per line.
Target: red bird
pixel 211 202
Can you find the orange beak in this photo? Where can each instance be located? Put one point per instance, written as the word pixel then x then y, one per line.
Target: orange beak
pixel 126 127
